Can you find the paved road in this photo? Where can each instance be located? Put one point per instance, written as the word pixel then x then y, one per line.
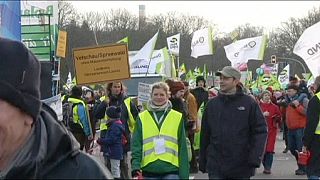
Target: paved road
pixel 284 165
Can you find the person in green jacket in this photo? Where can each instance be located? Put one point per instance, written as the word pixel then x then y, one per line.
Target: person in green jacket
pixel 159 148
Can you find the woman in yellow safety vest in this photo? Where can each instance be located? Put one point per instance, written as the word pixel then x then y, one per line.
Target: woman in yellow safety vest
pixel 159 148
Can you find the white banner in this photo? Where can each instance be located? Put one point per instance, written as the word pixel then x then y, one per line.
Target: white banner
pixel 56 104
pixel 201 43
pixel 283 77
pixel 308 48
pixel 157 63
pixel 174 44
pixel 241 51
pixel 139 63
pixel 144 92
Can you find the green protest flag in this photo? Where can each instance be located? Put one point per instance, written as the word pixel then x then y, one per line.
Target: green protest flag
pixel 124 40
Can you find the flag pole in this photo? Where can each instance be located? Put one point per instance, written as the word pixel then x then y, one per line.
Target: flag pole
pixel 148 68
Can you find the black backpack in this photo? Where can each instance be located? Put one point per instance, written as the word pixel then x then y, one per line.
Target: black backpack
pixel 67 113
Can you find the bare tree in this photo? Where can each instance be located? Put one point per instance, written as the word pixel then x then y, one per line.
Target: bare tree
pixel 66 13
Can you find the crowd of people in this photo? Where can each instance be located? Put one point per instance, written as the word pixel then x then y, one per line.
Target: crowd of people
pixel 226 131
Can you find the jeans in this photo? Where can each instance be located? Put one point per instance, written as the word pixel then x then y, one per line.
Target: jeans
pixel 295 143
pixel 115 168
pixel 167 176
pixel 124 169
pixel 267 160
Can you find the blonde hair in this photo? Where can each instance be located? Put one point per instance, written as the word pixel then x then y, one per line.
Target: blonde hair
pixel 160 85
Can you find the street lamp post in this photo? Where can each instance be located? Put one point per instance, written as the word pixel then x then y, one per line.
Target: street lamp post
pixel 294 60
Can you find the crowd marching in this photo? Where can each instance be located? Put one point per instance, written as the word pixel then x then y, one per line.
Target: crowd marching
pixel 226 131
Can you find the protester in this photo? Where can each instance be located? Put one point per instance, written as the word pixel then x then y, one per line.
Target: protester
pixel 193 121
pixel 112 142
pixel 80 121
pixel 159 148
pixel 272 114
pixel 115 97
pixel 296 122
pixel 34 144
pixel 233 131
pixel 90 101
pixel 200 93
pixel 311 138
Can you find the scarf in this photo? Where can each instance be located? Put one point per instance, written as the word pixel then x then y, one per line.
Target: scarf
pixel 154 108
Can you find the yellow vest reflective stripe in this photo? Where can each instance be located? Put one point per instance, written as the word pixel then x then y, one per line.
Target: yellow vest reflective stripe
pixel 318 127
pixel 132 121
pixel 168 131
pixel 76 118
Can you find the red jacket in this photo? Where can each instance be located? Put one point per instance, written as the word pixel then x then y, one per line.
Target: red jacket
pixel 272 120
pixel 296 117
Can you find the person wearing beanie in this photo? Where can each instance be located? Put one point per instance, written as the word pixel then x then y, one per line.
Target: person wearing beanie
pixel 177 100
pixel 296 122
pixel 79 120
pixel 272 114
pixel 200 93
pixel 34 144
pixel 113 141
pixel 311 137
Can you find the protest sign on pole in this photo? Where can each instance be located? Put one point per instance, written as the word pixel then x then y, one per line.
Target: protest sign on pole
pixel 101 63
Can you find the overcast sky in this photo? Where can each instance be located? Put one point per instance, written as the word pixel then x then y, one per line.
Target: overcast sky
pixel 226 14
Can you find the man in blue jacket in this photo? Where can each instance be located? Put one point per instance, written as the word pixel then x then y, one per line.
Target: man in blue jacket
pixel 233 131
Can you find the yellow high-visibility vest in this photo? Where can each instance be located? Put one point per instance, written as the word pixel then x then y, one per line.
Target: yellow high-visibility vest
pixel 103 121
pixel 318 127
pixel 132 122
pixel 76 118
pixel 168 131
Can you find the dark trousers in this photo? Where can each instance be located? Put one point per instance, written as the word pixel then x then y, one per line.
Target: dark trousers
pixel 219 176
pixel 81 138
pixel 267 160
pixel 193 163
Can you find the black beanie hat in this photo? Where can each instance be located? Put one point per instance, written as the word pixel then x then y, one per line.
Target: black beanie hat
pixel 19 77
pixel 113 112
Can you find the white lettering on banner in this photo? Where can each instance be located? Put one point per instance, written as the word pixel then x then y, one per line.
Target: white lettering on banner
pixel 314 50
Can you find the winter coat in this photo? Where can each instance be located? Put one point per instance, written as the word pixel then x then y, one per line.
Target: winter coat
pixel 56 155
pixel 272 120
pixel 233 136
pixel 112 142
pixel 201 96
pixel 296 116
pixel 310 139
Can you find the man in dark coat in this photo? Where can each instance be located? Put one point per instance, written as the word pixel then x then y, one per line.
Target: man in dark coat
pixel 34 144
pixel 200 93
pixel 311 138
pixel 233 131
